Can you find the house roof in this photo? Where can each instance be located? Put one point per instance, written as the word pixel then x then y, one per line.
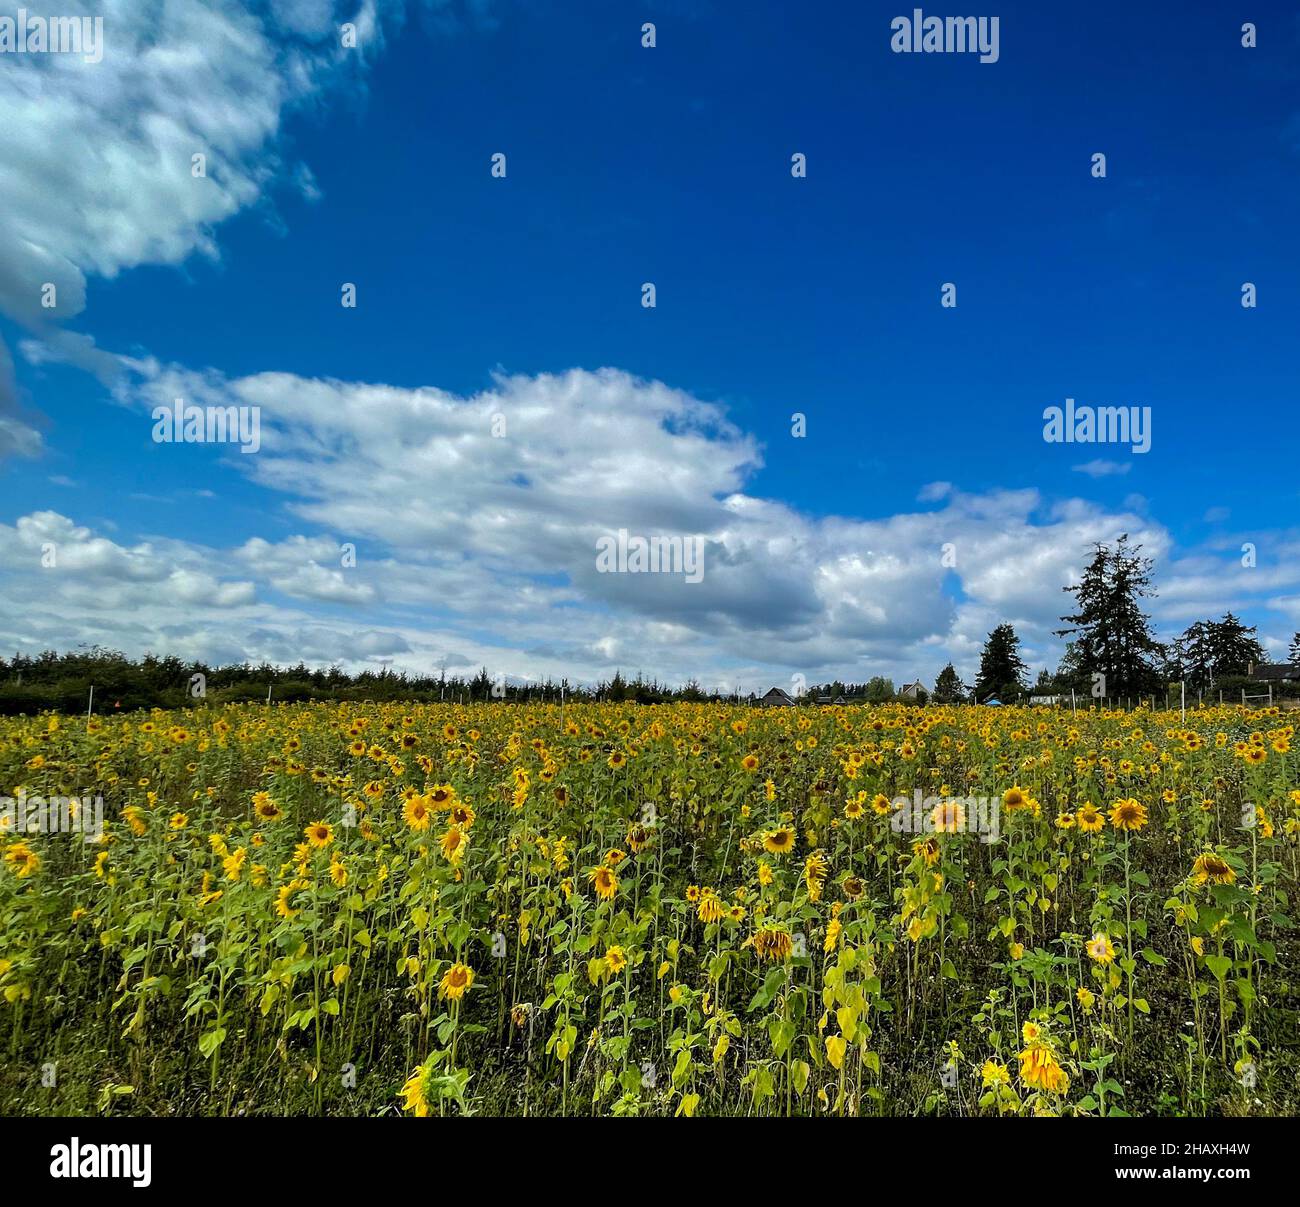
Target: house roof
pixel 1277 670
pixel 776 693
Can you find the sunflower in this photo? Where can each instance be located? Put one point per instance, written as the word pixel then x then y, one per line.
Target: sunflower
pixel 1039 1069
pixel 319 834
pixel 948 817
pixel 710 909
pixel 416 812
pixel 637 837
pixel 1090 819
pixel 1101 949
pixel 456 982
pixel 284 899
pixel 1128 814
pixel 462 814
pixel 750 762
pixel 615 960
pixel 814 874
pixel 771 943
pixel 854 809
pixel 441 796
pixel 1015 798
pixel 453 844
pixel 853 887
pixel 604 882
pixel 1213 868
pixel 779 841
pixel 23 860
pixel 994 1074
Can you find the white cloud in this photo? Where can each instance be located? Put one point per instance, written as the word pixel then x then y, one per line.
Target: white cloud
pixel 1103 469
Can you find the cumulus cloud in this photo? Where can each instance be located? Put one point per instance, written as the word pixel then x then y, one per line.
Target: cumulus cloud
pixel 481 514
pixel 99 157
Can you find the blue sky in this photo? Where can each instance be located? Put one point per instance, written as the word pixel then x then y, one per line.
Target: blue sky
pixel 775 295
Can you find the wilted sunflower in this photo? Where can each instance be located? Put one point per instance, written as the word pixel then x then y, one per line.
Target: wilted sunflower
pixel 710 908
pixel 1213 868
pixel 1039 1069
pixel 814 874
pixel 771 943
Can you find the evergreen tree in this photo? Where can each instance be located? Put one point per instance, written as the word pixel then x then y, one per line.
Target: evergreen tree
pixel 1234 649
pixel 1002 670
pixel 1112 634
pixel 948 687
pixel 1295 649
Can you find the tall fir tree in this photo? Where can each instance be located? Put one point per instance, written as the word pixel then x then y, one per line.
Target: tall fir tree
pixel 948 687
pixel 1112 635
pixel 1002 670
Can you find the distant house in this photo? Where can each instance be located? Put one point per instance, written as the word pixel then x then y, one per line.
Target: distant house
pixel 913 691
pixel 829 700
pixel 776 698
pixel 1276 672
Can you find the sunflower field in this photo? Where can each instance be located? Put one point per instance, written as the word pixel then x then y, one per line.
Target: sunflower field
pixel 680 910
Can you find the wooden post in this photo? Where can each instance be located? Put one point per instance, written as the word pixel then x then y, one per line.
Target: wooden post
pixel 90 704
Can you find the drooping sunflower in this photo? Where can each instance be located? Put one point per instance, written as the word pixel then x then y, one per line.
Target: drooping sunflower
pixel 814 874
pixel 710 908
pixel 1212 868
pixel 771 943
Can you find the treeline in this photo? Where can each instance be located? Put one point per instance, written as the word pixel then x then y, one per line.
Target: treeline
pixel 1113 653
pixel 62 683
